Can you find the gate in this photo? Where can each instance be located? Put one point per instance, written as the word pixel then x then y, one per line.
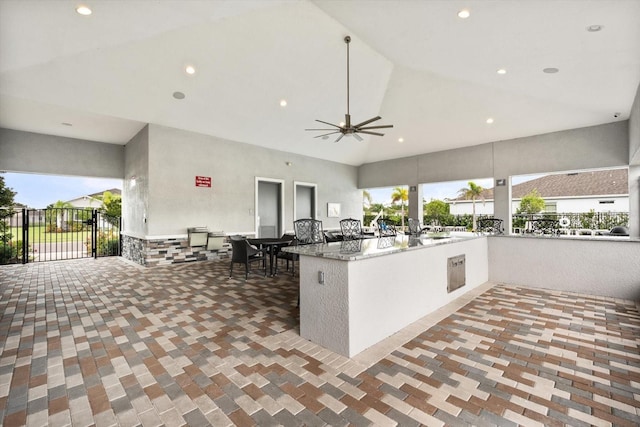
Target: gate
pixel 36 235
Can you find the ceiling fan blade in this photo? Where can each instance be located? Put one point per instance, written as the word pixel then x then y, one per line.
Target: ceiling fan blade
pixel 377 127
pixel 371 133
pixel 325 134
pixel 340 137
pixel 367 121
pixel 324 129
pixel 327 123
pixel 356 136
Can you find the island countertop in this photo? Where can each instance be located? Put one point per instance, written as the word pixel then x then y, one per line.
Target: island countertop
pixel 352 250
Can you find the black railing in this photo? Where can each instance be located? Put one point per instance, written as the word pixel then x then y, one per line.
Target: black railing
pixel 577 221
pixel 33 235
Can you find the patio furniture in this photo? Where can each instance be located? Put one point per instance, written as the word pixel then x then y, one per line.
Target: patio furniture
pixel 489 226
pixel 271 245
pixel 288 256
pixel 308 231
pixel 351 229
pixel 244 253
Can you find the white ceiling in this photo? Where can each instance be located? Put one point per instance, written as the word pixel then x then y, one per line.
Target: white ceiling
pixel 424 70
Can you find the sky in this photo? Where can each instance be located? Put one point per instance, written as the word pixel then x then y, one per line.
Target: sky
pixel 443 190
pixel 39 191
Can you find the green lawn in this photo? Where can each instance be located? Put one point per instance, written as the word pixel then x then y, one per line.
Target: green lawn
pixel 38 234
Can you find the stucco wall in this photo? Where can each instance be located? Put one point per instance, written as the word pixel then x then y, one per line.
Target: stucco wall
pixel 135 188
pixel 590 266
pixel 47 154
pixel 176 157
pixel 634 131
pixel 600 146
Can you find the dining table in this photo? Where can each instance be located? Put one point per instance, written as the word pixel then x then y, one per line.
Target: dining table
pixel 271 243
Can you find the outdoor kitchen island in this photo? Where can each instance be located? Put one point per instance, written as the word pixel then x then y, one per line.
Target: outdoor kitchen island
pixel 356 293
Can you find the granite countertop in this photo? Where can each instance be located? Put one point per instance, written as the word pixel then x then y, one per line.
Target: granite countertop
pixel 352 250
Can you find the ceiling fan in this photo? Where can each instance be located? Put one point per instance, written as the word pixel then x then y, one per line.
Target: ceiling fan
pixel 346 128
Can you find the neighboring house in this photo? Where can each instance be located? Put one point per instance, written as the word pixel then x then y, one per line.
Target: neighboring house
pixel 91 200
pixel 600 191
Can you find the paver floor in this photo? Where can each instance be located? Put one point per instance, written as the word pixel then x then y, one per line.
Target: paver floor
pixel 104 342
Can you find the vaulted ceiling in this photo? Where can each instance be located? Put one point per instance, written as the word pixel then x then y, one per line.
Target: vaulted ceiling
pixel 430 73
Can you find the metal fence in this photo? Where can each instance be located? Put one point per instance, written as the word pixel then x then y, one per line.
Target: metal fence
pixel 582 220
pixel 35 235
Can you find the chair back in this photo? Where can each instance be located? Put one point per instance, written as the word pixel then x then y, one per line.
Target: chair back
pixel 351 228
pixel 239 247
pixel 414 227
pixel 308 231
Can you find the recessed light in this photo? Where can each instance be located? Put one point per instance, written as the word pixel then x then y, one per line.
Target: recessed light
pixel 283 102
pixel 550 70
pixel 66 124
pixel 189 69
pixel 595 28
pixel 400 140
pixel 464 14
pixel 178 95
pixel 83 10
pixel 489 120
pixel 501 71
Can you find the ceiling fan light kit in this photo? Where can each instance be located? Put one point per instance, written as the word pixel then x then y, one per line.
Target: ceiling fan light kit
pixel 347 128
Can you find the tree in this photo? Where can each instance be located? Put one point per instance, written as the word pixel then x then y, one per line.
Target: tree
pixel 437 211
pixel 59 208
pixel 6 210
pixel 111 207
pixel 400 194
pixel 531 203
pixel 472 192
pixel 366 198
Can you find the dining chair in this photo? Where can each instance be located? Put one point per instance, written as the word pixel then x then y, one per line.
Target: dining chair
pixel 244 253
pixel 308 231
pixel 289 257
pixel 351 229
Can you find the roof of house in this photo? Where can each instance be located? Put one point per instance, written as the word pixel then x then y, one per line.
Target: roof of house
pixel 576 184
pixel 115 191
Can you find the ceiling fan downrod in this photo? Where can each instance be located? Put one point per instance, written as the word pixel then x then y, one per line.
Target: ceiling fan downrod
pixel 347 128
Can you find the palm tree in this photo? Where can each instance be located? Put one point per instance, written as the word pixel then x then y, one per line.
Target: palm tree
pixel 472 192
pixel 366 198
pixel 400 194
pixel 60 208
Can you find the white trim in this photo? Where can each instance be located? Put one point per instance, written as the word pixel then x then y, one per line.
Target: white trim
pixel 315 197
pixel 255 201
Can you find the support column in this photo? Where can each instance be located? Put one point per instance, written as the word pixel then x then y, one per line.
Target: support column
pixel 502 203
pixel 634 202
pixel 416 210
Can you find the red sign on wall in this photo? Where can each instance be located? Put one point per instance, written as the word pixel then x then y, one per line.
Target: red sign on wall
pixel 203 181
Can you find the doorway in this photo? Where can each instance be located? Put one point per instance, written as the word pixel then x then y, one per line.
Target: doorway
pixel 269 207
pixel 304 200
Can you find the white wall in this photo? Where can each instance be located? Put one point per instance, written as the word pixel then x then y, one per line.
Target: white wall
pixel 591 266
pixel 135 188
pixel 175 157
pixel 47 154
